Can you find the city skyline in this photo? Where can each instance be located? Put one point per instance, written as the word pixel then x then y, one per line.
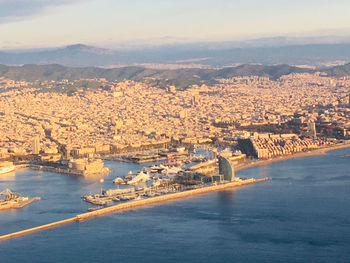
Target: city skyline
pixel 40 23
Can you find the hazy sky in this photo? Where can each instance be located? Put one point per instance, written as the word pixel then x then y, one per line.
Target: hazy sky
pixel 39 23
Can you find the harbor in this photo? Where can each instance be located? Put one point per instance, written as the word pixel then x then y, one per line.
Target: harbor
pixel 135 204
pixel 181 175
pixel 252 209
pixel 63 213
pixel 156 183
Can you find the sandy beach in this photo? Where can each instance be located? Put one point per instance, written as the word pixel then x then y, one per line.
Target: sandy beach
pixel 320 151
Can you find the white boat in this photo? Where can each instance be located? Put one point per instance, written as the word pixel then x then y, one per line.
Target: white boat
pixel 141 177
pixel 157 168
pixel 171 170
pixel 118 180
pixel 7 169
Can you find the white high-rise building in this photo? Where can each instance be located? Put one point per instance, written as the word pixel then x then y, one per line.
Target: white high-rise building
pixel 36 145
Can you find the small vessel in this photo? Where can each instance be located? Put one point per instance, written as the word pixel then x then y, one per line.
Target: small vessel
pixel 171 170
pixel 127 197
pixel 91 209
pixel 199 159
pixel 141 177
pixel 157 168
pixel 119 180
pixel 98 199
pixel 9 200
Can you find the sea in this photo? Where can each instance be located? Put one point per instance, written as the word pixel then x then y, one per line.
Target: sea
pixel 302 215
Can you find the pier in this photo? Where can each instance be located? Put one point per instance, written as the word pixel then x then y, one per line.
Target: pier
pixel 135 204
pixel 17 205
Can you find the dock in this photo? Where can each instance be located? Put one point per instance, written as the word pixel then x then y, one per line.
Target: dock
pixel 21 204
pixel 136 204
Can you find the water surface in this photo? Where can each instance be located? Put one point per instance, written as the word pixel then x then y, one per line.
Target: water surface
pixel 302 215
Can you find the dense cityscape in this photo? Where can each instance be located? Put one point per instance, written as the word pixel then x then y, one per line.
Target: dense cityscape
pixel 189 131
pixel 124 114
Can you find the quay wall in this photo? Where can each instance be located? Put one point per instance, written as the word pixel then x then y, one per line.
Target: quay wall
pixel 135 204
pixel 56 170
pixel 67 170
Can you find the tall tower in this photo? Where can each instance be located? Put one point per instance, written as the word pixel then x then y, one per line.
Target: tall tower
pixel 226 169
pixel 312 129
pixel 36 145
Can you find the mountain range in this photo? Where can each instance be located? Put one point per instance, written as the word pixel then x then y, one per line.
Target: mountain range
pixel 208 55
pixel 31 72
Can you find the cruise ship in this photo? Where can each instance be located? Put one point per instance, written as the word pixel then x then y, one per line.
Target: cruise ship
pixel 6 168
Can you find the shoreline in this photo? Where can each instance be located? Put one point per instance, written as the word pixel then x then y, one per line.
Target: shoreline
pixel 179 195
pixel 316 152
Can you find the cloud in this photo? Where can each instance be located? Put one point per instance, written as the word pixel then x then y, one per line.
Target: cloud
pixel 13 10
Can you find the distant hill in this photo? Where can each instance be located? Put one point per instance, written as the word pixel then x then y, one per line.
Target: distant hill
pixel 339 71
pixel 274 72
pixel 56 72
pixel 75 55
pixel 181 78
pixel 209 54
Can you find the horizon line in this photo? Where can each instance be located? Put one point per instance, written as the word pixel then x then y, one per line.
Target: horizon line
pixel 173 41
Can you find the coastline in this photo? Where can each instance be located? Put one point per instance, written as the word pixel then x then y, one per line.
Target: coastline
pixel 179 195
pixel 316 152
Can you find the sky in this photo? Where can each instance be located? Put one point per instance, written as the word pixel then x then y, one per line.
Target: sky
pixel 108 23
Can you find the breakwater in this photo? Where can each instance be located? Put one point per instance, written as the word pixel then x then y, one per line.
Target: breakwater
pixel 135 204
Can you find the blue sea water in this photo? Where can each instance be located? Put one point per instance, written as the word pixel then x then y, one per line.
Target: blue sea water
pixel 302 215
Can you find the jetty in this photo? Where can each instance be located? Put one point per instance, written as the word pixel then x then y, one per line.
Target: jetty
pixel 14 200
pixel 19 204
pixel 135 204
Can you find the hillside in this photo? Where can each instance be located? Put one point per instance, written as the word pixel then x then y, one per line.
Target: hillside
pixel 209 54
pixel 339 71
pixel 58 72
